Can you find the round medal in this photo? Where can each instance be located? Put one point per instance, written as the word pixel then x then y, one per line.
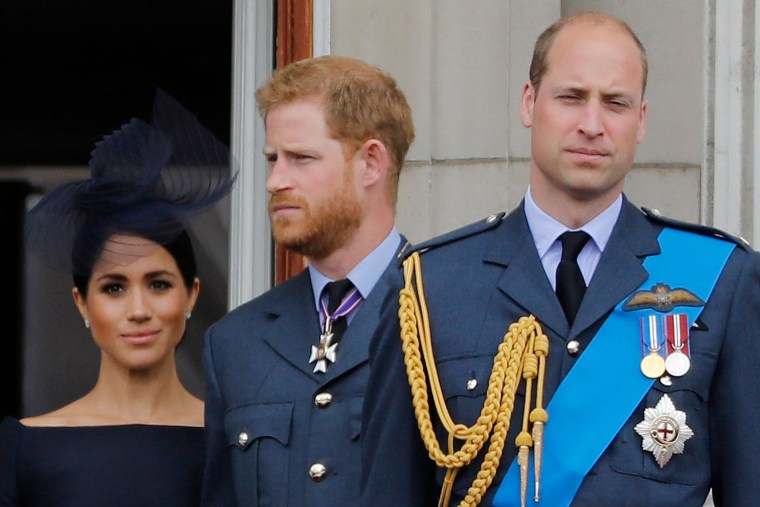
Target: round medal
pixel 653 365
pixel 677 363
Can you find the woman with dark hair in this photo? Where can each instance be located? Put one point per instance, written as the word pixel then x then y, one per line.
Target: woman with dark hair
pixel 137 437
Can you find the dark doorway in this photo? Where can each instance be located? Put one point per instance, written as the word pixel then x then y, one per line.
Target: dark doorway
pixel 76 70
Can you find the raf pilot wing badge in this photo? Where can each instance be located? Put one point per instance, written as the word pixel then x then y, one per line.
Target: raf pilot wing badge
pixel 662 298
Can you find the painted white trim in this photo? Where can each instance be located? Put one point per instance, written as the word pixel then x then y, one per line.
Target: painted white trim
pixel 321 27
pixel 708 116
pixel 729 104
pixel 755 238
pixel 250 270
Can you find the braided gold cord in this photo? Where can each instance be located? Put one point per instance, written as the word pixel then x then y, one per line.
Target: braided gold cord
pixel 515 357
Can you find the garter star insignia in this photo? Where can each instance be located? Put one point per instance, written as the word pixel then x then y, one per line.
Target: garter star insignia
pixel 664 430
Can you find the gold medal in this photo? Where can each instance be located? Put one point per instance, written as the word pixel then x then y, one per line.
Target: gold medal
pixel 652 362
pixel 653 365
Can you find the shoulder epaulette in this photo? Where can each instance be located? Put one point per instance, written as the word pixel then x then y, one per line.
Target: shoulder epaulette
pixel 472 229
pixel 656 216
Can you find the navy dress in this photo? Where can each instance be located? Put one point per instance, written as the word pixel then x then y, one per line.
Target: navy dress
pixel 114 466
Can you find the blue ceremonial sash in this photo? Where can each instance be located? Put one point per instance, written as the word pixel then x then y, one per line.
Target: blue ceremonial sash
pixel 571 448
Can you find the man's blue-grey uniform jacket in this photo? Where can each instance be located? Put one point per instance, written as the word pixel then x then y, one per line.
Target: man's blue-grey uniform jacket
pixel 485 276
pixel 271 423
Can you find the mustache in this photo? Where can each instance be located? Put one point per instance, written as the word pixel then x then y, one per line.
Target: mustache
pixel 280 200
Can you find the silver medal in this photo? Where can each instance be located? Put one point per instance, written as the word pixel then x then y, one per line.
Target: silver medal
pixel 677 363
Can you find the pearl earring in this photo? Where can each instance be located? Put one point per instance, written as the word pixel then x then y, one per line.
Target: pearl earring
pixel 87 323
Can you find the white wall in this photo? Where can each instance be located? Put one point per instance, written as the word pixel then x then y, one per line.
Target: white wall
pixel 463 65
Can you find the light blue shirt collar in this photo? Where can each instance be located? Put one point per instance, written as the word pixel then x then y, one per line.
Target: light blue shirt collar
pixel 365 275
pixel 546 230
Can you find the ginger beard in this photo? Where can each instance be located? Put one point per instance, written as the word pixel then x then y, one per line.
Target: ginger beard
pixel 324 226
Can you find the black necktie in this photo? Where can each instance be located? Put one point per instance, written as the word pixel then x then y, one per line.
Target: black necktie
pixel 570 284
pixel 336 291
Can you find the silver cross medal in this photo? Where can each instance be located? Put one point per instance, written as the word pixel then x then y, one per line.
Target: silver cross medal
pixel 325 351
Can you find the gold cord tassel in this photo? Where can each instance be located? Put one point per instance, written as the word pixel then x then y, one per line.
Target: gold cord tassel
pixel 538 445
pixel 522 353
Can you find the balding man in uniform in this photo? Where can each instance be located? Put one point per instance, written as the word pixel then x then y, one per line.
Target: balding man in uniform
pixel 579 350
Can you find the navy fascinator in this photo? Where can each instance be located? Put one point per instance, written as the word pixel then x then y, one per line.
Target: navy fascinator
pixel 147 180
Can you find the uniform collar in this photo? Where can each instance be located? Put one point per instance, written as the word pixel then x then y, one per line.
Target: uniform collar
pixel 364 275
pixel 546 229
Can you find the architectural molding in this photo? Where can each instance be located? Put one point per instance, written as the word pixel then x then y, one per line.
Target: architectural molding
pixel 730 101
pixel 321 28
pixel 250 248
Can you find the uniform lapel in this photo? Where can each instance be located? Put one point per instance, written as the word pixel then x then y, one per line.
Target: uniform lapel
pixel 354 346
pixel 294 324
pixel 619 271
pixel 524 280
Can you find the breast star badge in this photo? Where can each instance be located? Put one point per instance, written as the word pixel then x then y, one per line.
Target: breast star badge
pixel 664 430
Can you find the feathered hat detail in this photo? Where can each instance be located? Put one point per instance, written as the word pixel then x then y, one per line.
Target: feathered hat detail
pixel 147 179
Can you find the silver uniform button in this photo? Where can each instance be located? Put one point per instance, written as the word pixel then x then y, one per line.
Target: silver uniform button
pixel 323 400
pixel 472 384
pixel 317 472
pixel 573 347
pixel 243 438
pixel 666 380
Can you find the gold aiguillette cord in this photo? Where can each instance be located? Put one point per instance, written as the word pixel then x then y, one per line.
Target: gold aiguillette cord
pixel 522 353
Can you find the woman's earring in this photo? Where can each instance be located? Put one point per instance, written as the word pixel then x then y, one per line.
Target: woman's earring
pixel 188 315
pixel 87 323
